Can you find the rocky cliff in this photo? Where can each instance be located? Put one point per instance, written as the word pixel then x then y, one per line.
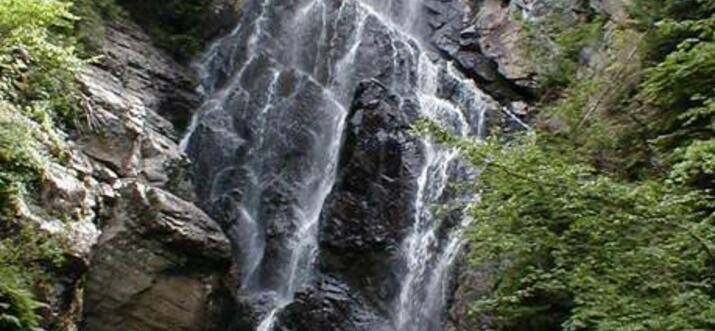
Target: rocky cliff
pixel 170 241
pixel 140 257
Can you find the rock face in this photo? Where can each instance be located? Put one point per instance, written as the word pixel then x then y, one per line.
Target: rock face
pixel 151 260
pixel 464 43
pixel 159 265
pixel 263 157
pixel 328 304
pixel 499 37
pixel 141 101
pixel 303 152
pixel 370 209
pixel 471 285
pixel 364 220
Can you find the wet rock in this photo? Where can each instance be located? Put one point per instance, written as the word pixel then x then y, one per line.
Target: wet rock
pixel 158 266
pixel 472 285
pixel 329 305
pixel 250 310
pixel 478 66
pixel 447 23
pixel 370 208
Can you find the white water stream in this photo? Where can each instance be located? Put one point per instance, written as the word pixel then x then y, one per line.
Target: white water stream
pixel 272 61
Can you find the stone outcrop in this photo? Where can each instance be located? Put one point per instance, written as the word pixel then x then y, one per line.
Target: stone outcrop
pixel 472 284
pixel 497 31
pixel 364 219
pixel 140 102
pixel 500 39
pixel 329 305
pixel 454 37
pixel 159 265
pixel 369 211
pixel 151 260
pixel 482 41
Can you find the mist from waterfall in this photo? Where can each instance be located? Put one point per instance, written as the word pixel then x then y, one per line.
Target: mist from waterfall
pixel 278 89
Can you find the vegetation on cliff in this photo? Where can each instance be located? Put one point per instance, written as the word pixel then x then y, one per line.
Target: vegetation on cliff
pixel 181 27
pixel 602 219
pixel 38 96
pixel 43 46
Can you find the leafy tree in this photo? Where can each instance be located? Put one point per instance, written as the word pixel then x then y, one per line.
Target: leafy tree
pixel 581 251
pixel 580 246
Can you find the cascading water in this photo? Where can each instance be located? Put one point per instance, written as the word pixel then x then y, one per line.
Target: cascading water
pixel 267 141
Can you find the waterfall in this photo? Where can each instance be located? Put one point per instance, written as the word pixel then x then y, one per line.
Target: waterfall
pixel 266 143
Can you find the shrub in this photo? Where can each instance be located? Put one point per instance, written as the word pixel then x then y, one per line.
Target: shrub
pixel 555 43
pixel 23 255
pixel 580 251
pixel 179 26
pixel 38 93
pixel 37 56
pixel 89 28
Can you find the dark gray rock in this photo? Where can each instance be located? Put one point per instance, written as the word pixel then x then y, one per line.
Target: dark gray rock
pixel 370 208
pixel 380 160
pixel 250 310
pixel 329 305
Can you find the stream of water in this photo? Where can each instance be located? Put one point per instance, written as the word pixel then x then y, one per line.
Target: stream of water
pixel 278 89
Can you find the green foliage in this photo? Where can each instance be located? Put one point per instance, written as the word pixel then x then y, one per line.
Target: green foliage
pixel 695 164
pixel 678 91
pixel 604 220
pixel 37 57
pixel 581 251
pixel 555 43
pixel 23 255
pixel 21 156
pixel 180 26
pixel 589 252
pixel 89 29
pixel 592 118
pixel 38 14
pixel 38 92
pixel 686 76
pixel 37 88
pixel 637 114
pixel 649 12
pixel 680 88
